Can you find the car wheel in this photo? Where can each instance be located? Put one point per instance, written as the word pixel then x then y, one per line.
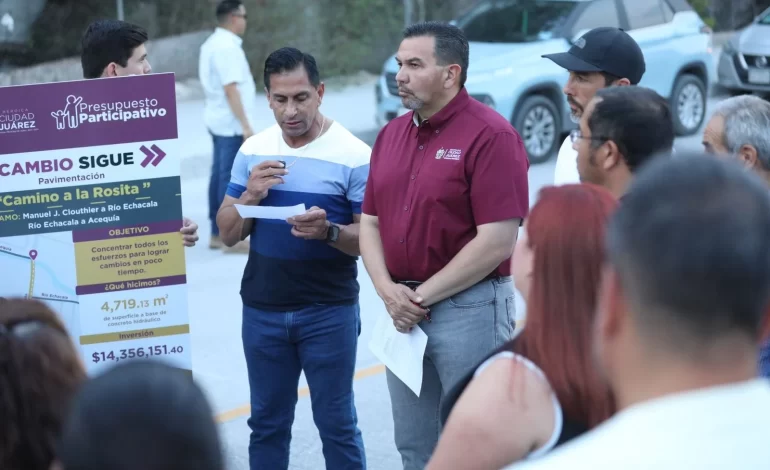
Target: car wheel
pixel 688 104
pixel 538 122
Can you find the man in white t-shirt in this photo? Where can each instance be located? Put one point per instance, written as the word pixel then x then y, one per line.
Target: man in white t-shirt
pixel 680 310
pixel 231 96
pixel 600 58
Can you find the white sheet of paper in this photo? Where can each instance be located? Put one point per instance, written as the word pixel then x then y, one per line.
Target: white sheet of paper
pixel 402 353
pixel 270 212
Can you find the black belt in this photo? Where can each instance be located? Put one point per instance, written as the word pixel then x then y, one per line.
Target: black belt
pixel 410 284
pixel 415 284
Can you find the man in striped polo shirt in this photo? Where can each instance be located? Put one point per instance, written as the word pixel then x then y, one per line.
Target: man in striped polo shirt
pixel 299 288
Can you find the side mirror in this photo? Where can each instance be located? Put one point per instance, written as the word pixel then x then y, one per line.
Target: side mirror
pixel 578 35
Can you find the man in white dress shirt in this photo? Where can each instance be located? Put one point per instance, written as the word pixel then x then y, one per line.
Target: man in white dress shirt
pixel 231 96
pixel 680 309
pixel 601 58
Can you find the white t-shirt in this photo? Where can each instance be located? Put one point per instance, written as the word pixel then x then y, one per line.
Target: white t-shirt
pixel 566 171
pixel 718 428
pixel 222 62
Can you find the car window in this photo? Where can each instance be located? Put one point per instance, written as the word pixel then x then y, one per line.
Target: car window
pixel 516 20
pixel 643 13
pixel 668 12
pixel 597 13
pixel 766 19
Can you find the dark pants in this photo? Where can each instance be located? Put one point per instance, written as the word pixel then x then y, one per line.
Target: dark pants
pixel 225 149
pixel 322 341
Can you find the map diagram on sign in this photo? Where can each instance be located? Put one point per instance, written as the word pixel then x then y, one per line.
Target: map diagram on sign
pixel 42 267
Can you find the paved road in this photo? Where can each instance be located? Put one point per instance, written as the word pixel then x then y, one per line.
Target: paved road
pixel 218 361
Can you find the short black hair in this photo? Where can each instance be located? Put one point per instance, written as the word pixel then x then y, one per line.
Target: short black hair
pixel 107 41
pixel 451 44
pixel 141 414
pixel 288 59
pixel 609 78
pixel 226 8
pixel 691 245
pixel 637 119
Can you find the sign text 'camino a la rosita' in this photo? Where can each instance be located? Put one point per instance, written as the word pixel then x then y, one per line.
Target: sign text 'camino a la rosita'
pixel 90 212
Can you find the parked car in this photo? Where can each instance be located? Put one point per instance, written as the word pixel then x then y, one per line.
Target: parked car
pixel 508 37
pixel 744 64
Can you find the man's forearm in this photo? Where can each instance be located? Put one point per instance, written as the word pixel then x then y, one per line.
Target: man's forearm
pixel 236 105
pixel 473 263
pixel 348 240
pixel 373 253
pixel 232 227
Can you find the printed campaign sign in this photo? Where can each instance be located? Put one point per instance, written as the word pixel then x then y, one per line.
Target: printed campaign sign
pixel 90 212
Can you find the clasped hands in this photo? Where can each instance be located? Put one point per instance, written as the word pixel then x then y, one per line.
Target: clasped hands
pixel 403 305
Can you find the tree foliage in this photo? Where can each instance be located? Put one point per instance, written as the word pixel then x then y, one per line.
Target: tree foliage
pixel 344 35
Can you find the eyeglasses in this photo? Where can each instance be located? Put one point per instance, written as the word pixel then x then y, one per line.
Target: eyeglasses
pixel 576 134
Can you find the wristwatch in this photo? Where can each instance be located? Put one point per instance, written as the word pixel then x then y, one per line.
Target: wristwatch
pixel 332 233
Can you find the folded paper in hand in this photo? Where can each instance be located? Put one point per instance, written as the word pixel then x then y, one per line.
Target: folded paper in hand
pixel 269 212
pixel 402 353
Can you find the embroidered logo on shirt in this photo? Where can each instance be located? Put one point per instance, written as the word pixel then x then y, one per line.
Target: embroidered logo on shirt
pixel 452 154
pixel 440 153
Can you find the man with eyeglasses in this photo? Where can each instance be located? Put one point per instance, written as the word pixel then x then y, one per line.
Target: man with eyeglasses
pixel 622 128
pixel 231 97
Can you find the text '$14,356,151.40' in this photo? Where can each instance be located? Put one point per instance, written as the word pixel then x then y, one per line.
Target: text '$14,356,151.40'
pixel 122 354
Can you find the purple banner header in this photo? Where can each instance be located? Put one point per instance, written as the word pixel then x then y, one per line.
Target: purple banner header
pixel 86 113
pixel 108 233
pixel 131 285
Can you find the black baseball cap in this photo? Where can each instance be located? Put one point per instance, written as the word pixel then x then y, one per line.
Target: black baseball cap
pixel 604 49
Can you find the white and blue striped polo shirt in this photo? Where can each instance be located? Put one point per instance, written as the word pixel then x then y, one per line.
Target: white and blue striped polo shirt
pixel 286 273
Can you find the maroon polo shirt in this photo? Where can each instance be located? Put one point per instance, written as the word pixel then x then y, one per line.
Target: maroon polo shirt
pixel 431 185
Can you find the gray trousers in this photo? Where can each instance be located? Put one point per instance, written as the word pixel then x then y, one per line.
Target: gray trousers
pixel 465 328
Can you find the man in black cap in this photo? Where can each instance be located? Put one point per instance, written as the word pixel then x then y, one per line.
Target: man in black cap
pixel 601 58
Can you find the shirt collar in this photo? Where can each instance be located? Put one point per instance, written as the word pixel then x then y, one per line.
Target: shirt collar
pixel 447 112
pixel 229 34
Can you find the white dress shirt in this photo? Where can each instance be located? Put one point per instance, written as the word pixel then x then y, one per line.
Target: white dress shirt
pixel 223 62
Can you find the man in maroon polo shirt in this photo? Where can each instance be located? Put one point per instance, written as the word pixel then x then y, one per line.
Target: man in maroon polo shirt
pixel 447 191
